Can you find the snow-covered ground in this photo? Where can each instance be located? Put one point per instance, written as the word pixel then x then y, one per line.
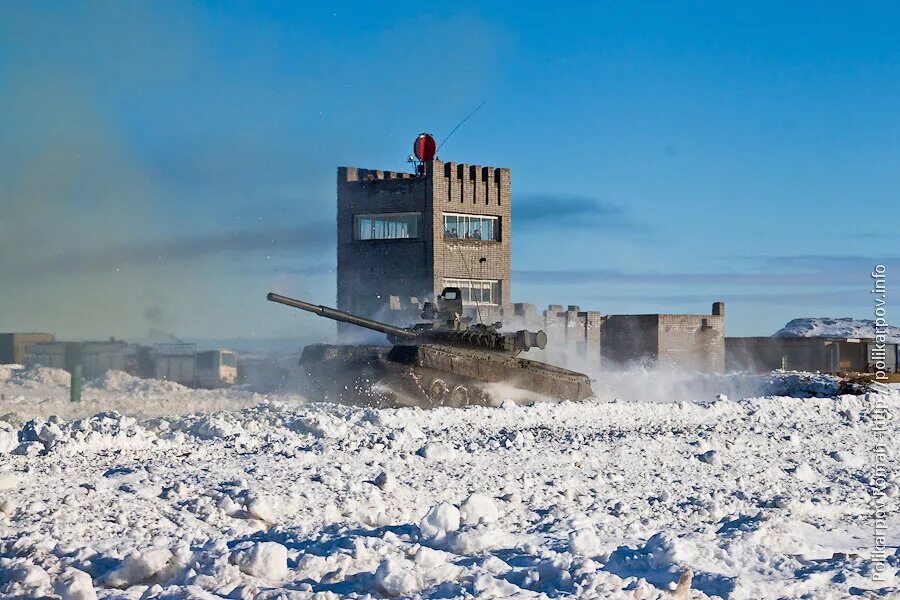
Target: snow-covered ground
pixel 41 392
pixel 839 328
pixel 207 494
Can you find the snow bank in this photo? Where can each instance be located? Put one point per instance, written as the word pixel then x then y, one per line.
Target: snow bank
pixel 42 392
pixel 34 378
pixel 122 382
pixel 7 371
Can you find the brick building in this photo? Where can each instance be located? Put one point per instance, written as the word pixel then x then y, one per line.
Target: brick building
pixel 409 236
pixel 695 342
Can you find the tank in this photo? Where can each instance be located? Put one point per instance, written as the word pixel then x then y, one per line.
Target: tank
pixel 446 360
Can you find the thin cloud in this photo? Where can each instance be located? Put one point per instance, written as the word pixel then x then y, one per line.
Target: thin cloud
pixel 595 276
pixel 827 262
pixel 844 297
pixel 312 237
pixel 570 212
pixel 785 271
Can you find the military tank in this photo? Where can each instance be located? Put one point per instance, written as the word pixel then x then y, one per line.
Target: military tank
pixel 446 360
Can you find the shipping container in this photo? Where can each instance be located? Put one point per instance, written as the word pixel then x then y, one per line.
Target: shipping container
pixel 100 357
pixel 175 362
pixel 49 354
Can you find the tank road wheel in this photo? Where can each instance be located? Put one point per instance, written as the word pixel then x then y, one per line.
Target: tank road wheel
pixel 437 391
pixel 459 396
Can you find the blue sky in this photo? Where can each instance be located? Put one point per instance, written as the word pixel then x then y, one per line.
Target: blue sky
pixel 163 165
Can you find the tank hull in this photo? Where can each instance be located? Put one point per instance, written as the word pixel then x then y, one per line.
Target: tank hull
pixel 432 375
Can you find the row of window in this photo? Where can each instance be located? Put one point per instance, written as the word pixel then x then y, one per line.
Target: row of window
pixel 477 291
pixel 406 226
pixel 387 227
pixel 471 227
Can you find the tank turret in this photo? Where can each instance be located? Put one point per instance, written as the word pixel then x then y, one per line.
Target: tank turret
pixel 444 325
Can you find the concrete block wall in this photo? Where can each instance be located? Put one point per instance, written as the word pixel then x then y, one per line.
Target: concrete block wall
pixel 592 322
pixel 693 342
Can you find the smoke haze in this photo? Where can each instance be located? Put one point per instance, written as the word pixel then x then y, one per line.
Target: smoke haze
pixel 153 183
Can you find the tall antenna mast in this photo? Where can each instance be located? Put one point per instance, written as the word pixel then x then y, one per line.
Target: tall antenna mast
pixel 458 125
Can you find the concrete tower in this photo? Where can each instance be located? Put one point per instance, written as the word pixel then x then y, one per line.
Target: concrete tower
pixel 409 236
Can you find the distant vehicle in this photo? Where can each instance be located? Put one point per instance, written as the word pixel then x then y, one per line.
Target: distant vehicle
pixel 216 368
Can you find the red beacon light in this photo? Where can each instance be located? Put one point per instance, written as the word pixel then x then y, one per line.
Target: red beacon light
pixel 424 149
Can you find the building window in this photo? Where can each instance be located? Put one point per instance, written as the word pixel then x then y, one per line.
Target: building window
pixel 477 291
pixel 471 227
pixel 387 227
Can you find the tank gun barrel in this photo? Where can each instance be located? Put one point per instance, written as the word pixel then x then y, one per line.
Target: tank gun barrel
pixel 339 315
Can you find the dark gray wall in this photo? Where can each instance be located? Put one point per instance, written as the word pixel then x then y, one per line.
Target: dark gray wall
pixel 629 338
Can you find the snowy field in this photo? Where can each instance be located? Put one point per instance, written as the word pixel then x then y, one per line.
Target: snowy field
pixel 210 494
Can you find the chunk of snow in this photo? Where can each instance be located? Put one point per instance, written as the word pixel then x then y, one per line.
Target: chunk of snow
pixel 804 472
pixel 584 542
pixel 848 458
pixel 75 585
pixel 7 506
pixel 8 481
pixel 478 539
pixel 437 451
pixel 215 426
pixel 30 576
pixel 264 560
pixel 478 508
pixel 260 508
pixel 139 567
pixel 9 438
pixel 395 577
pixel 440 520
pixel 495 565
